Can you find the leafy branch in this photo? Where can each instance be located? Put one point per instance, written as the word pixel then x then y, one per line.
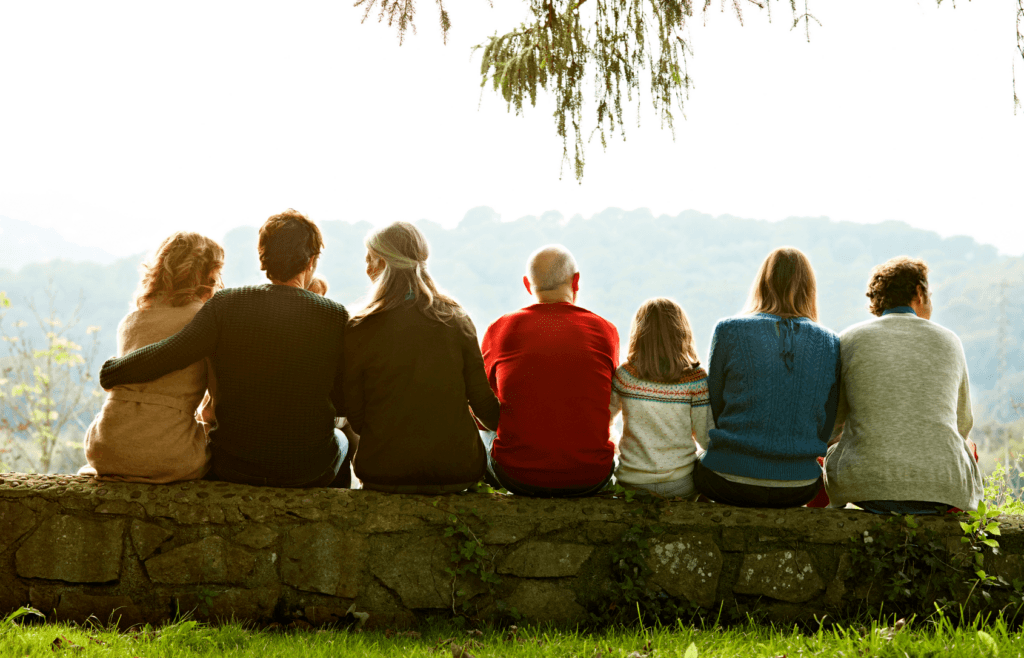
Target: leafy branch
pixel 44 391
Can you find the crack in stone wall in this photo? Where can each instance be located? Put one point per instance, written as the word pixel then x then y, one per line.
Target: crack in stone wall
pixel 74 547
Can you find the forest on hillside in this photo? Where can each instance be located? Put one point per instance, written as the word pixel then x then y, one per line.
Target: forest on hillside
pixel 706 263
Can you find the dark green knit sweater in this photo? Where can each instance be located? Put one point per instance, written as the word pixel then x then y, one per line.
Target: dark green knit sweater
pixel 277 352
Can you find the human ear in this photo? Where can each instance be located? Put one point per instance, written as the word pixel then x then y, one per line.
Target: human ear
pixel 526 282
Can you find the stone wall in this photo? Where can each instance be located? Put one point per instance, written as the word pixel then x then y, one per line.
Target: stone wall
pixel 74 547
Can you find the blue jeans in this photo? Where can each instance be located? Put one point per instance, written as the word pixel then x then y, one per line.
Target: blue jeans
pixel 496 477
pixel 902 507
pixel 336 474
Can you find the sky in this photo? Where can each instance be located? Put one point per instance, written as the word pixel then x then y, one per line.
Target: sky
pixel 121 122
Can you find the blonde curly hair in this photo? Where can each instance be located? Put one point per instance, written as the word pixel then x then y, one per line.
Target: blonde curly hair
pixel 185 267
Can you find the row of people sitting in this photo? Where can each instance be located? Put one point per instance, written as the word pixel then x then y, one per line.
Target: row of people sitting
pixel 786 410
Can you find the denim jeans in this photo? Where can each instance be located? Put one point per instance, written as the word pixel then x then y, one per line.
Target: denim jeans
pixel 496 477
pixel 336 475
pixel 902 507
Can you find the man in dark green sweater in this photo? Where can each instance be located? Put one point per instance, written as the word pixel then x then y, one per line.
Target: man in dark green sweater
pixel 277 352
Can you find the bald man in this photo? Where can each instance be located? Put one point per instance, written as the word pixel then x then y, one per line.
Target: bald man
pixel 551 365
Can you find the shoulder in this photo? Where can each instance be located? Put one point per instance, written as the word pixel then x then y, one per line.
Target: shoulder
pixel 739 323
pixel 829 336
pixel 596 320
pixel 503 323
pixel 858 329
pixel 943 334
pixel 691 388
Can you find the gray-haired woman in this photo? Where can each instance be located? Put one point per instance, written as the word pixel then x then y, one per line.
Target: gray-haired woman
pixel 412 363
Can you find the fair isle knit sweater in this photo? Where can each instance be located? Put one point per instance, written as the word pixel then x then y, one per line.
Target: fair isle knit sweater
pixel 774 388
pixel 660 424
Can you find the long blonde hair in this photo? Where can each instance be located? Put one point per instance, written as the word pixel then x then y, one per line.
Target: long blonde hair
pixel 661 344
pixel 185 267
pixel 785 286
pixel 401 251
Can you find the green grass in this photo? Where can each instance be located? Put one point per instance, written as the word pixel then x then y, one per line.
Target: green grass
pixel 187 639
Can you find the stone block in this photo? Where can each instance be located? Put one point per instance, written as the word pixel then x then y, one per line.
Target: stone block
pixel 605 532
pixel 122 508
pixel 541 559
pixel 147 537
pixel 542 600
pixel 416 573
pixel 507 533
pixel 784 575
pixel 687 565
pixel 319 558
pixel 1009 566
pixel 73 550
pixel 835 593
pixel 15 521
pixel 733 540
pixel 44 598
pixel 119 610
pixel 257 536
pixel 222 605
pixel 13 595
pixel 210 560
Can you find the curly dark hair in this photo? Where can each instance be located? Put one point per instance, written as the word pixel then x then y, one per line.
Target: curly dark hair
pixel 288 241
pixel 894 283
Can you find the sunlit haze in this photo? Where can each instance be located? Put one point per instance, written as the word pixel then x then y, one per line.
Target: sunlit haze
pixel 124 121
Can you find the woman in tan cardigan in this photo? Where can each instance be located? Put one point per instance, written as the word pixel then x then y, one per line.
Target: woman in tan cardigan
pixel 151 432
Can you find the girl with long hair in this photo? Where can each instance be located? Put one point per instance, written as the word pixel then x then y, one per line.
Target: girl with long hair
pixel 773 380
pixel 662 393
pixel 414 371
pixel 151 432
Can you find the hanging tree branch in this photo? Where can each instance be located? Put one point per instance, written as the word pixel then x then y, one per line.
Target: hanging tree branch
pixel 627 47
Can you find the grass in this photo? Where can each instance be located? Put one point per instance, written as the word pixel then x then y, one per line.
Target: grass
pixel 186 639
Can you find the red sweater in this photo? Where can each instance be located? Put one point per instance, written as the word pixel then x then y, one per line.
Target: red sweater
pixel 551 366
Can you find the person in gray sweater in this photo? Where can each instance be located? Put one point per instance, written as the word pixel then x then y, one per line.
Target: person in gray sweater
pixel 901 442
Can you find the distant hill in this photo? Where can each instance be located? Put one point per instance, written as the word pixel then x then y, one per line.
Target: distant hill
pixel 22 243
pixel 706 263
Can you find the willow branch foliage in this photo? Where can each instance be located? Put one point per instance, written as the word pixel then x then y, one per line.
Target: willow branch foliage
pixel 615 51
pixel 1020 49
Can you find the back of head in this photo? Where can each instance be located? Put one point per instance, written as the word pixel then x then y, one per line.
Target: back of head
pixel 550 267
pixel 894 283
pixel 399 253
pixel 319 286
pixel 785 286
pixel 185 267
pixel 288 241
pixel 661 344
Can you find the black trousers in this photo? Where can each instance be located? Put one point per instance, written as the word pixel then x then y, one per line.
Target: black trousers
pixel 720 490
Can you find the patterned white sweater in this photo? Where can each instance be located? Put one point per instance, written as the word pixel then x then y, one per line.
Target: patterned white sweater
pixel 661 425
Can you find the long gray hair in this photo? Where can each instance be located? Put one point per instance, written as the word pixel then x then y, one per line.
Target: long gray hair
pixel 402 251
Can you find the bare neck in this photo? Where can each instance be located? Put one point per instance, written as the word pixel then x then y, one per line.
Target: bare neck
pixel 557 296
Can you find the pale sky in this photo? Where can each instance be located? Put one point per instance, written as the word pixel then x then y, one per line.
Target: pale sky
pixel 123 121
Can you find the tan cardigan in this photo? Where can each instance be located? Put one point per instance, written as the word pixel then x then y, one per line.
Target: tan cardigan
pixel 149 432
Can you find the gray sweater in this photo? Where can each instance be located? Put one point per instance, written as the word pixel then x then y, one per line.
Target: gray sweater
pixel 904 416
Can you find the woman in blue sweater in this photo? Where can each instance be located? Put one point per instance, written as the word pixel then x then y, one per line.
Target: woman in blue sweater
pixel 773 378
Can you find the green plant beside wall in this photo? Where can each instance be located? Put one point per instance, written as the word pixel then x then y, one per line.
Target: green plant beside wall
pixel 633 599
pixel 915 574
pixel 470 563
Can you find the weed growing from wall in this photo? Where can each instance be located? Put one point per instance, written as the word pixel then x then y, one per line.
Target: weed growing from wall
pixel 470 563
pixel 911 571
pixel 633 599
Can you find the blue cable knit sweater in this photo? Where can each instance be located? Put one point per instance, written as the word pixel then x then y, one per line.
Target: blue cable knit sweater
pixel 774 386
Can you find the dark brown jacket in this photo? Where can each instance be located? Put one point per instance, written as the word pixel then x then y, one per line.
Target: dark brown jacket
pixel 409 383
